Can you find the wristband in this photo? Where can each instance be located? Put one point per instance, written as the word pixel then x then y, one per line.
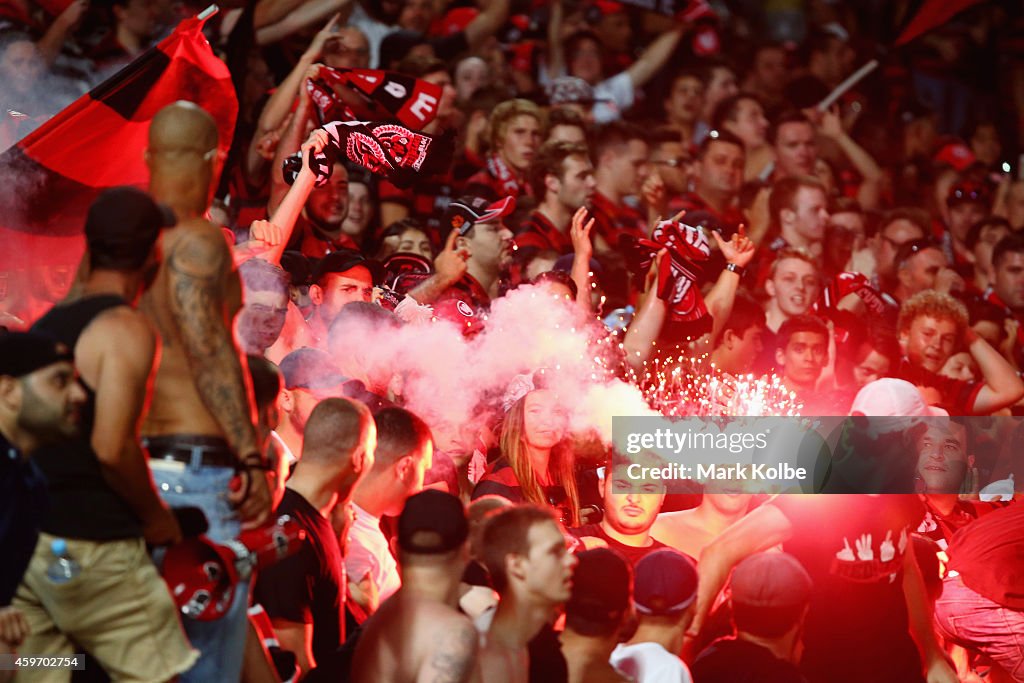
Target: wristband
pixel 734 268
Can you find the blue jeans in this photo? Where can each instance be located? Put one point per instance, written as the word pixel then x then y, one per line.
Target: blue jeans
pixel 977 623
pixel 221 642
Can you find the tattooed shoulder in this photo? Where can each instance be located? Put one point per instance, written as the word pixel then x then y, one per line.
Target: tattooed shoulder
pixel 454 658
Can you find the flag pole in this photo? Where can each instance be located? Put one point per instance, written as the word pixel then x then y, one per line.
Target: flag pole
pixel 207 13
pixel 854 78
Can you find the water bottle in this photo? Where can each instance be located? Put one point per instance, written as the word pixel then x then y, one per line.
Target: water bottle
pixel 63 568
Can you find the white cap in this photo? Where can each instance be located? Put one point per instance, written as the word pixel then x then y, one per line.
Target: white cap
pixel 890 397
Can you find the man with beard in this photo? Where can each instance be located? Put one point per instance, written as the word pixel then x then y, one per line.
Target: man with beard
pixel 631 506
pixel 562 177
pixel 40 401
pixel 317 231
pixel 478 247
pixel 931 326
pixel 104 470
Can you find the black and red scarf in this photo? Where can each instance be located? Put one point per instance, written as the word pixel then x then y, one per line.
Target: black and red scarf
pixel 679 275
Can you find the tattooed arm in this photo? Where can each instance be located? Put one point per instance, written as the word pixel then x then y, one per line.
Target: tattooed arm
pixel 453 659
pixel 196 265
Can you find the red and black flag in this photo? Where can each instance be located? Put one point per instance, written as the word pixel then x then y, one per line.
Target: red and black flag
pixel 373 95
pixel 51 176
pixel 931 14
pixel 385 149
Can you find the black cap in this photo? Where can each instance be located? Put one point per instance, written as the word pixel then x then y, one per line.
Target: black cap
pixel 601 586
pixel 125 221
pixel 432 522
pixel 310 369
pixel 346 259
pixel 465 212
pixel 397 266
pixel 298 267
pixel 22 353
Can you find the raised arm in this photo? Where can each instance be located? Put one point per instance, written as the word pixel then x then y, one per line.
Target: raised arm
pixel 655 56
pixel 556 59
pixel 1003 386
pixel 738 252
pixel 304 15
pixel 831 126
pixel 650 316
pixel 492 16
pixel 920 618
pixel 582 251
pixel 763 528
pixel 449 267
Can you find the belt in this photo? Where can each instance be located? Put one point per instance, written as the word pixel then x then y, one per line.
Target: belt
pixel 209 451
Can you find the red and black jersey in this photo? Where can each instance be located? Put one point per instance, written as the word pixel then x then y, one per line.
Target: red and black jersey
pixel 496 180
pixel 613 220
pixel 307 240
pixel 539 232
pixel 427 200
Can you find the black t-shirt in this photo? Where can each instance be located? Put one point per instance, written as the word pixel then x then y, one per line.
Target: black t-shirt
pixel 989 554
pixel 958 396
pixel 74 477
pixel 309 586
pixel 852 546
pixel 729 660
pixel 632 554
pixel 23 502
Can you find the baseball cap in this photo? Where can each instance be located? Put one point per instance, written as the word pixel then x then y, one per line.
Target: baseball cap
pixel 665 583
pixel 955 154
pixel 891 397
pixel 465 212
pixel 770 579
pixel 432 522
pixel 344 260
pixel 601 585
pixel 125 221
pixel 571 90
pixel 399 265
pixel 22 353
pixel 310 369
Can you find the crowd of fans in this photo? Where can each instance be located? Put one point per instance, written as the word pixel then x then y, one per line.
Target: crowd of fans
pixel 419 372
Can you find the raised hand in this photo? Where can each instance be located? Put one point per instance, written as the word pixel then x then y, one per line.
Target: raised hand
pixel 864 550
pixel 316 46
pixel 266 232
pixel 452 263
pixel 739 249
pixel 579 232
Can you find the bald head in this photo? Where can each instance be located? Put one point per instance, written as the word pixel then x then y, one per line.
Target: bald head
pixel 336 426
pixel 182 158
pixel 183 126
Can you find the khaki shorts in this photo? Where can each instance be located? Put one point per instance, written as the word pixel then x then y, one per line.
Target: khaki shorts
pixel 118 610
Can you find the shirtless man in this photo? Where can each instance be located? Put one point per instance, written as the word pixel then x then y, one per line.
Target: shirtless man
pixel 200 430
pixel 531 569
pixel 418 634
pixel 690 531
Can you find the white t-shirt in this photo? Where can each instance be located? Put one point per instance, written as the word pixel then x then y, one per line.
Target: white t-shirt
pixel 368 553
pixel 372 29
pixel 649 663
pixel 619 94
